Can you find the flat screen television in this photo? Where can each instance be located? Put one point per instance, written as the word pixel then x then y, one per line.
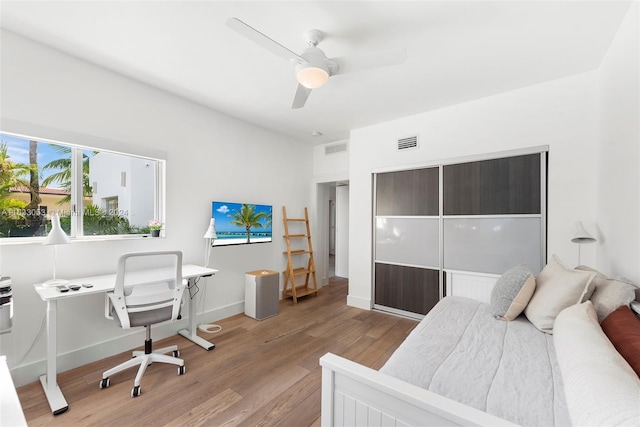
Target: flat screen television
pixel 241 223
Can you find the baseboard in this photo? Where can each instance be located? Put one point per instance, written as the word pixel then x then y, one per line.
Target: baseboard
pixel 28 373
pixel 358 302
pixel 221 313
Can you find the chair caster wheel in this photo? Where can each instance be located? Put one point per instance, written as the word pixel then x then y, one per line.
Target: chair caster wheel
pixel 104 383
pixel 176 353
pixel 181 370
pixel 135 391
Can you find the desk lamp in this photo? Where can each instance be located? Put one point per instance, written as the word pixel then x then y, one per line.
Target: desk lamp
pixel 582 236
pixel 209 235
pixel 56 237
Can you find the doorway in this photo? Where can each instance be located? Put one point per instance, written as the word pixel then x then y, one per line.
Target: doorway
pixel 332 212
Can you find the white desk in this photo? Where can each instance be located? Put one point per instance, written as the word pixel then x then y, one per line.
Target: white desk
pixel 102 284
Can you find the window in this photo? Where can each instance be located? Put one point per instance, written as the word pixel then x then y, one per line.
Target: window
pixel 110 205
pixel 96 192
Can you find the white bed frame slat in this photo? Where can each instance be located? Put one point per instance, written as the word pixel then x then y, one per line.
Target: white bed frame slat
pixel 354 395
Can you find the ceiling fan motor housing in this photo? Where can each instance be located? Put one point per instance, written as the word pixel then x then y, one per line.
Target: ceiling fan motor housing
pixel 315 72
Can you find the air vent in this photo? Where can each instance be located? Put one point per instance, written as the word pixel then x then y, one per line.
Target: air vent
pixel 408 142
pixel 335 148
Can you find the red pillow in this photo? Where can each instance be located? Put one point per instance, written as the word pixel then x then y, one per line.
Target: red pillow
pixel 622 327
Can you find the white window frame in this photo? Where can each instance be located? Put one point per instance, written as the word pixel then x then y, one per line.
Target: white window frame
pixel 78 143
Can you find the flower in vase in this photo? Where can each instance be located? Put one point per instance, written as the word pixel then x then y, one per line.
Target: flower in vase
pixel 154 224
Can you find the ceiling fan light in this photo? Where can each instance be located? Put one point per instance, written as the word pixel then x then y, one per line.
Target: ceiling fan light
pixel 312 77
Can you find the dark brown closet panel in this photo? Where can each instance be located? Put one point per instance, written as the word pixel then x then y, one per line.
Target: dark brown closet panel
pixel 411 192
pixel 504 186
pixel 406 288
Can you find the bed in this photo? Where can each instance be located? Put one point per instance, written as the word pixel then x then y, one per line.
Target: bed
pixel 463 366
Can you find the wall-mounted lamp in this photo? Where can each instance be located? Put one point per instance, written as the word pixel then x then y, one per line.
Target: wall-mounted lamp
pixel 56 237
pixel 581 236
pixel 123 179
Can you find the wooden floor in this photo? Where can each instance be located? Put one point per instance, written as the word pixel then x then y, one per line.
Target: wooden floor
pixel 260 373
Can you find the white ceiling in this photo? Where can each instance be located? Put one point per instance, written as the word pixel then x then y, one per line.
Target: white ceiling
pixel 457 51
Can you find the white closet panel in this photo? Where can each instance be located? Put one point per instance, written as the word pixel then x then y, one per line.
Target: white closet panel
pixel 492 245
pixel 407 241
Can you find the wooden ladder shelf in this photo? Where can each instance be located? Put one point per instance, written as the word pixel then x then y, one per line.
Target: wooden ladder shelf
pixel 309 272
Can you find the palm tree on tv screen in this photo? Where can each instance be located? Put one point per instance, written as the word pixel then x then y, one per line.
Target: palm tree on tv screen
pixel 268 220
pixel 247 217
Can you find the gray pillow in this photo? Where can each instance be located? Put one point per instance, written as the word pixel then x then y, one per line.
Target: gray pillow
pixel 512 292
pixel 609 294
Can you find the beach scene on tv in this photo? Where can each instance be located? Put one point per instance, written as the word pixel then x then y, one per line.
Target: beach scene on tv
pixel 241 223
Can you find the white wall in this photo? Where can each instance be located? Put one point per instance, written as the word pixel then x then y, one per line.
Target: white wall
pixel 205 151
pixel 342 231
pixel 619 154
pixel 562 114
pixel 332 166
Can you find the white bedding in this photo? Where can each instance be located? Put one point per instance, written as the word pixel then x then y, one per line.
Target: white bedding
pixel 508 369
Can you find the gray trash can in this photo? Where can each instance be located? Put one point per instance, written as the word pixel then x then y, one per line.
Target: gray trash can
pixel 261 294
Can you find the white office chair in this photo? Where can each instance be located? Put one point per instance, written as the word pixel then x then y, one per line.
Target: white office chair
pixel 144 294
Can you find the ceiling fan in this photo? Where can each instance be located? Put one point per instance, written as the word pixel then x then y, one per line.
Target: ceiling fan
pixel 312 67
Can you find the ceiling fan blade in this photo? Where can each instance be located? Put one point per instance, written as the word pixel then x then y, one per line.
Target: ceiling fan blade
pixel 300 98
pixel 263 40
pixel 366 62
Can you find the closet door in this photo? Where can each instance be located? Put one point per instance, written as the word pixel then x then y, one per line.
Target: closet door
pixel 492 214
pixel 408 193
pixel 489 217
pixel 410 289
pixel 407 252
pixel 506 186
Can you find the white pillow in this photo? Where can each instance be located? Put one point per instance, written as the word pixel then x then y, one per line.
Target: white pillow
pixel 557 288
pixel 600 386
